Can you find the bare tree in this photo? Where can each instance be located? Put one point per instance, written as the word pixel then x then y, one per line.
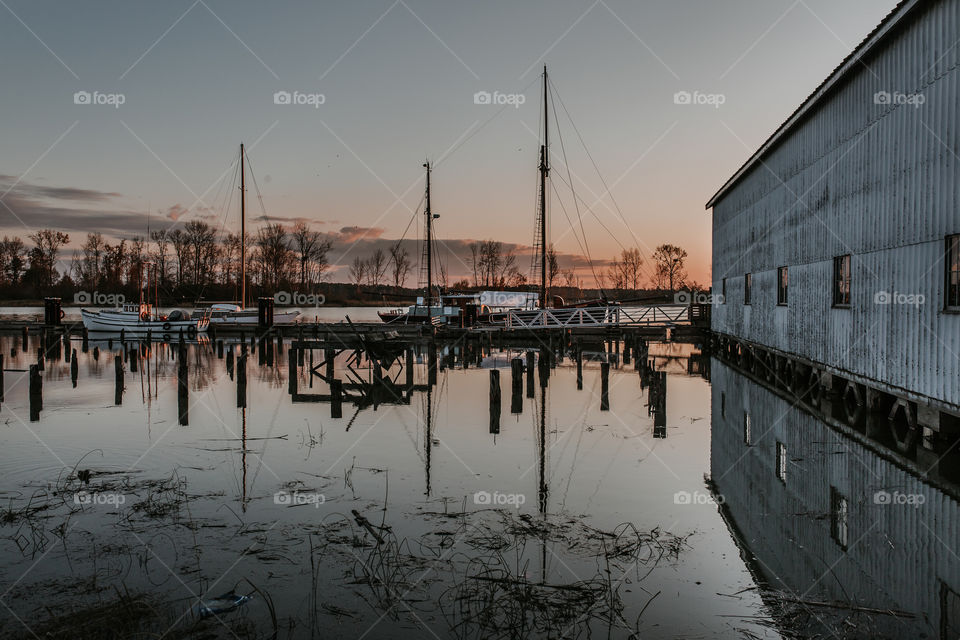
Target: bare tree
pixel 181 251
pixel 625 271
pixel 400 264
pixel 669 272
pixel 43 256
pixel 161 241
pixel 358 270
pixel 553 266
pixel 201 240
pixel 88 268
pixel 13 255
pixel 273 257
pixel 311 250
pixel 376 268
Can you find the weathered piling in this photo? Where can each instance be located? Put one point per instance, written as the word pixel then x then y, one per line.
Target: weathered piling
pixel 74 369
pixel 118 379
pixel 494 401
pixel 133 356
pixel 292 372
pixel 220 349
pixel 579 357
pixel 516 385
pixel 242 381
pixel 1 377
pixel 604 386
pixel 530 377
pixel 544 367
pixel 23 338
pixel 230 362
pixel 336 398
pixel 408 368
pixel 96 354
pixel 36 393
pixel 40 358
pixel 85 345
pixel 329 355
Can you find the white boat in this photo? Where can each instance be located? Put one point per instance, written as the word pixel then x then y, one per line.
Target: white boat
pixel 234 314
pixel 136 319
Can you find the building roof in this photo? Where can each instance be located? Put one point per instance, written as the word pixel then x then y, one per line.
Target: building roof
pixel 844 69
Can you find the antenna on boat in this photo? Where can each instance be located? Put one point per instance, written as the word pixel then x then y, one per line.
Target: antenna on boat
pixel 243 233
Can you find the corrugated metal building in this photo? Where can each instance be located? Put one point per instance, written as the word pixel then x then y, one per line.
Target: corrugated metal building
pixel 836 241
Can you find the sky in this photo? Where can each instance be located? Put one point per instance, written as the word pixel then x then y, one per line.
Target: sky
pixel 120 114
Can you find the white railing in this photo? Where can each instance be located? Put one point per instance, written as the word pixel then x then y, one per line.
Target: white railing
pixel 606 316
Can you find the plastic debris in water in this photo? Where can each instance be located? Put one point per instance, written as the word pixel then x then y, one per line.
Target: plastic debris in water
pixel 221 604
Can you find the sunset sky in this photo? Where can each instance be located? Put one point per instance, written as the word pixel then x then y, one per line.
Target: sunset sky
pixel 398 80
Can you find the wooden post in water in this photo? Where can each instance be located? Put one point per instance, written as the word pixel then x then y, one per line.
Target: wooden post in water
pixel 230 361
pixel 118 379
pixel 23 340
pixel 74 370
pixel 85 345
pixel 579 357
pixel 1 377
pixel 336 398
pixel 36 393
pixel 408 369
pixel 516 385
pixel 96 354
pixel 220 349
pixel 530 376
pixel 604 386
pixel 544 367
pixel 292 372
pixel 329 355
pixel 40 358
pixel 242 381
pixel 133 356
pixel 183 387
pixel 494 401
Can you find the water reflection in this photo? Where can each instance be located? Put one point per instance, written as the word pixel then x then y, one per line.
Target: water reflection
pixel 847 536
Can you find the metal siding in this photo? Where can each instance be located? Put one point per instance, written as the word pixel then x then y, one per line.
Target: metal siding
pixel 877 181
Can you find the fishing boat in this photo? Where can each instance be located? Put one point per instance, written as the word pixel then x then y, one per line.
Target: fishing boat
pixel 137 319
pixel 229 313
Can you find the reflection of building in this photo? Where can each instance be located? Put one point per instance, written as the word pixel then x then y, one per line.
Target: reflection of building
pixel 839 239
pixel 830 517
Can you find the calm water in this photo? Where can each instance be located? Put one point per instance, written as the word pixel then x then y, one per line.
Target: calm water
pixel 313 314
pixel 569 522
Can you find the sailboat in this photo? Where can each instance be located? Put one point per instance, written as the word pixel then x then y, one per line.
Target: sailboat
pixel 232 313
pixel 427 310
pixel 140 319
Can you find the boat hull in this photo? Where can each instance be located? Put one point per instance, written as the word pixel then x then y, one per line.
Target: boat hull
pixel 135 327
pixel 287 317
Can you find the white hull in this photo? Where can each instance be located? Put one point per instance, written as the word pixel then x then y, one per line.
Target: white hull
pixel 250 317
pixel 135 327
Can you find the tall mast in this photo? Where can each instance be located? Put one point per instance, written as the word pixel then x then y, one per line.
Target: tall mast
pixel 243 233
pixel 544 172
pixel 429 215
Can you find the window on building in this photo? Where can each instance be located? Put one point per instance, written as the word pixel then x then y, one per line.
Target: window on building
pixel 953 273
pixel 782 461
pixel 723 404
pixel 747 285
pixel 723 291
pixel 841 281
pixel 949 612
pixel 839 517
pixel 783 279
pixel 746 429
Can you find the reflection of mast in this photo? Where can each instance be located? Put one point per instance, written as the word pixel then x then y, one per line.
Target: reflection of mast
pixel 542 454
pixel 243 458
pixel 428 438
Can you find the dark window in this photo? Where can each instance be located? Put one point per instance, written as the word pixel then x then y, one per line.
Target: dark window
pixel 839 517
pixel 841 281
pixel 782 461
pixel 723 404
pixel 783 280
pixel 724 291
pixel 747 285
pixel 953 272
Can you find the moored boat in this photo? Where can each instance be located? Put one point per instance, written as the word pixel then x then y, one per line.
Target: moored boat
pixel 225 313
pixel 137 319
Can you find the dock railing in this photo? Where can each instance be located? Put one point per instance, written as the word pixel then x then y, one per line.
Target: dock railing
pixel 605 316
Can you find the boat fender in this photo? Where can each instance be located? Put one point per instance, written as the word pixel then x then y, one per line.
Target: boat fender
pixel 62 313
pixel 191 331
pixel 145 316
pixel 166 337
pixel 166 326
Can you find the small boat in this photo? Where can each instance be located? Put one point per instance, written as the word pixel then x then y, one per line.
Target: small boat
pixel 136 319
pixel 225 313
